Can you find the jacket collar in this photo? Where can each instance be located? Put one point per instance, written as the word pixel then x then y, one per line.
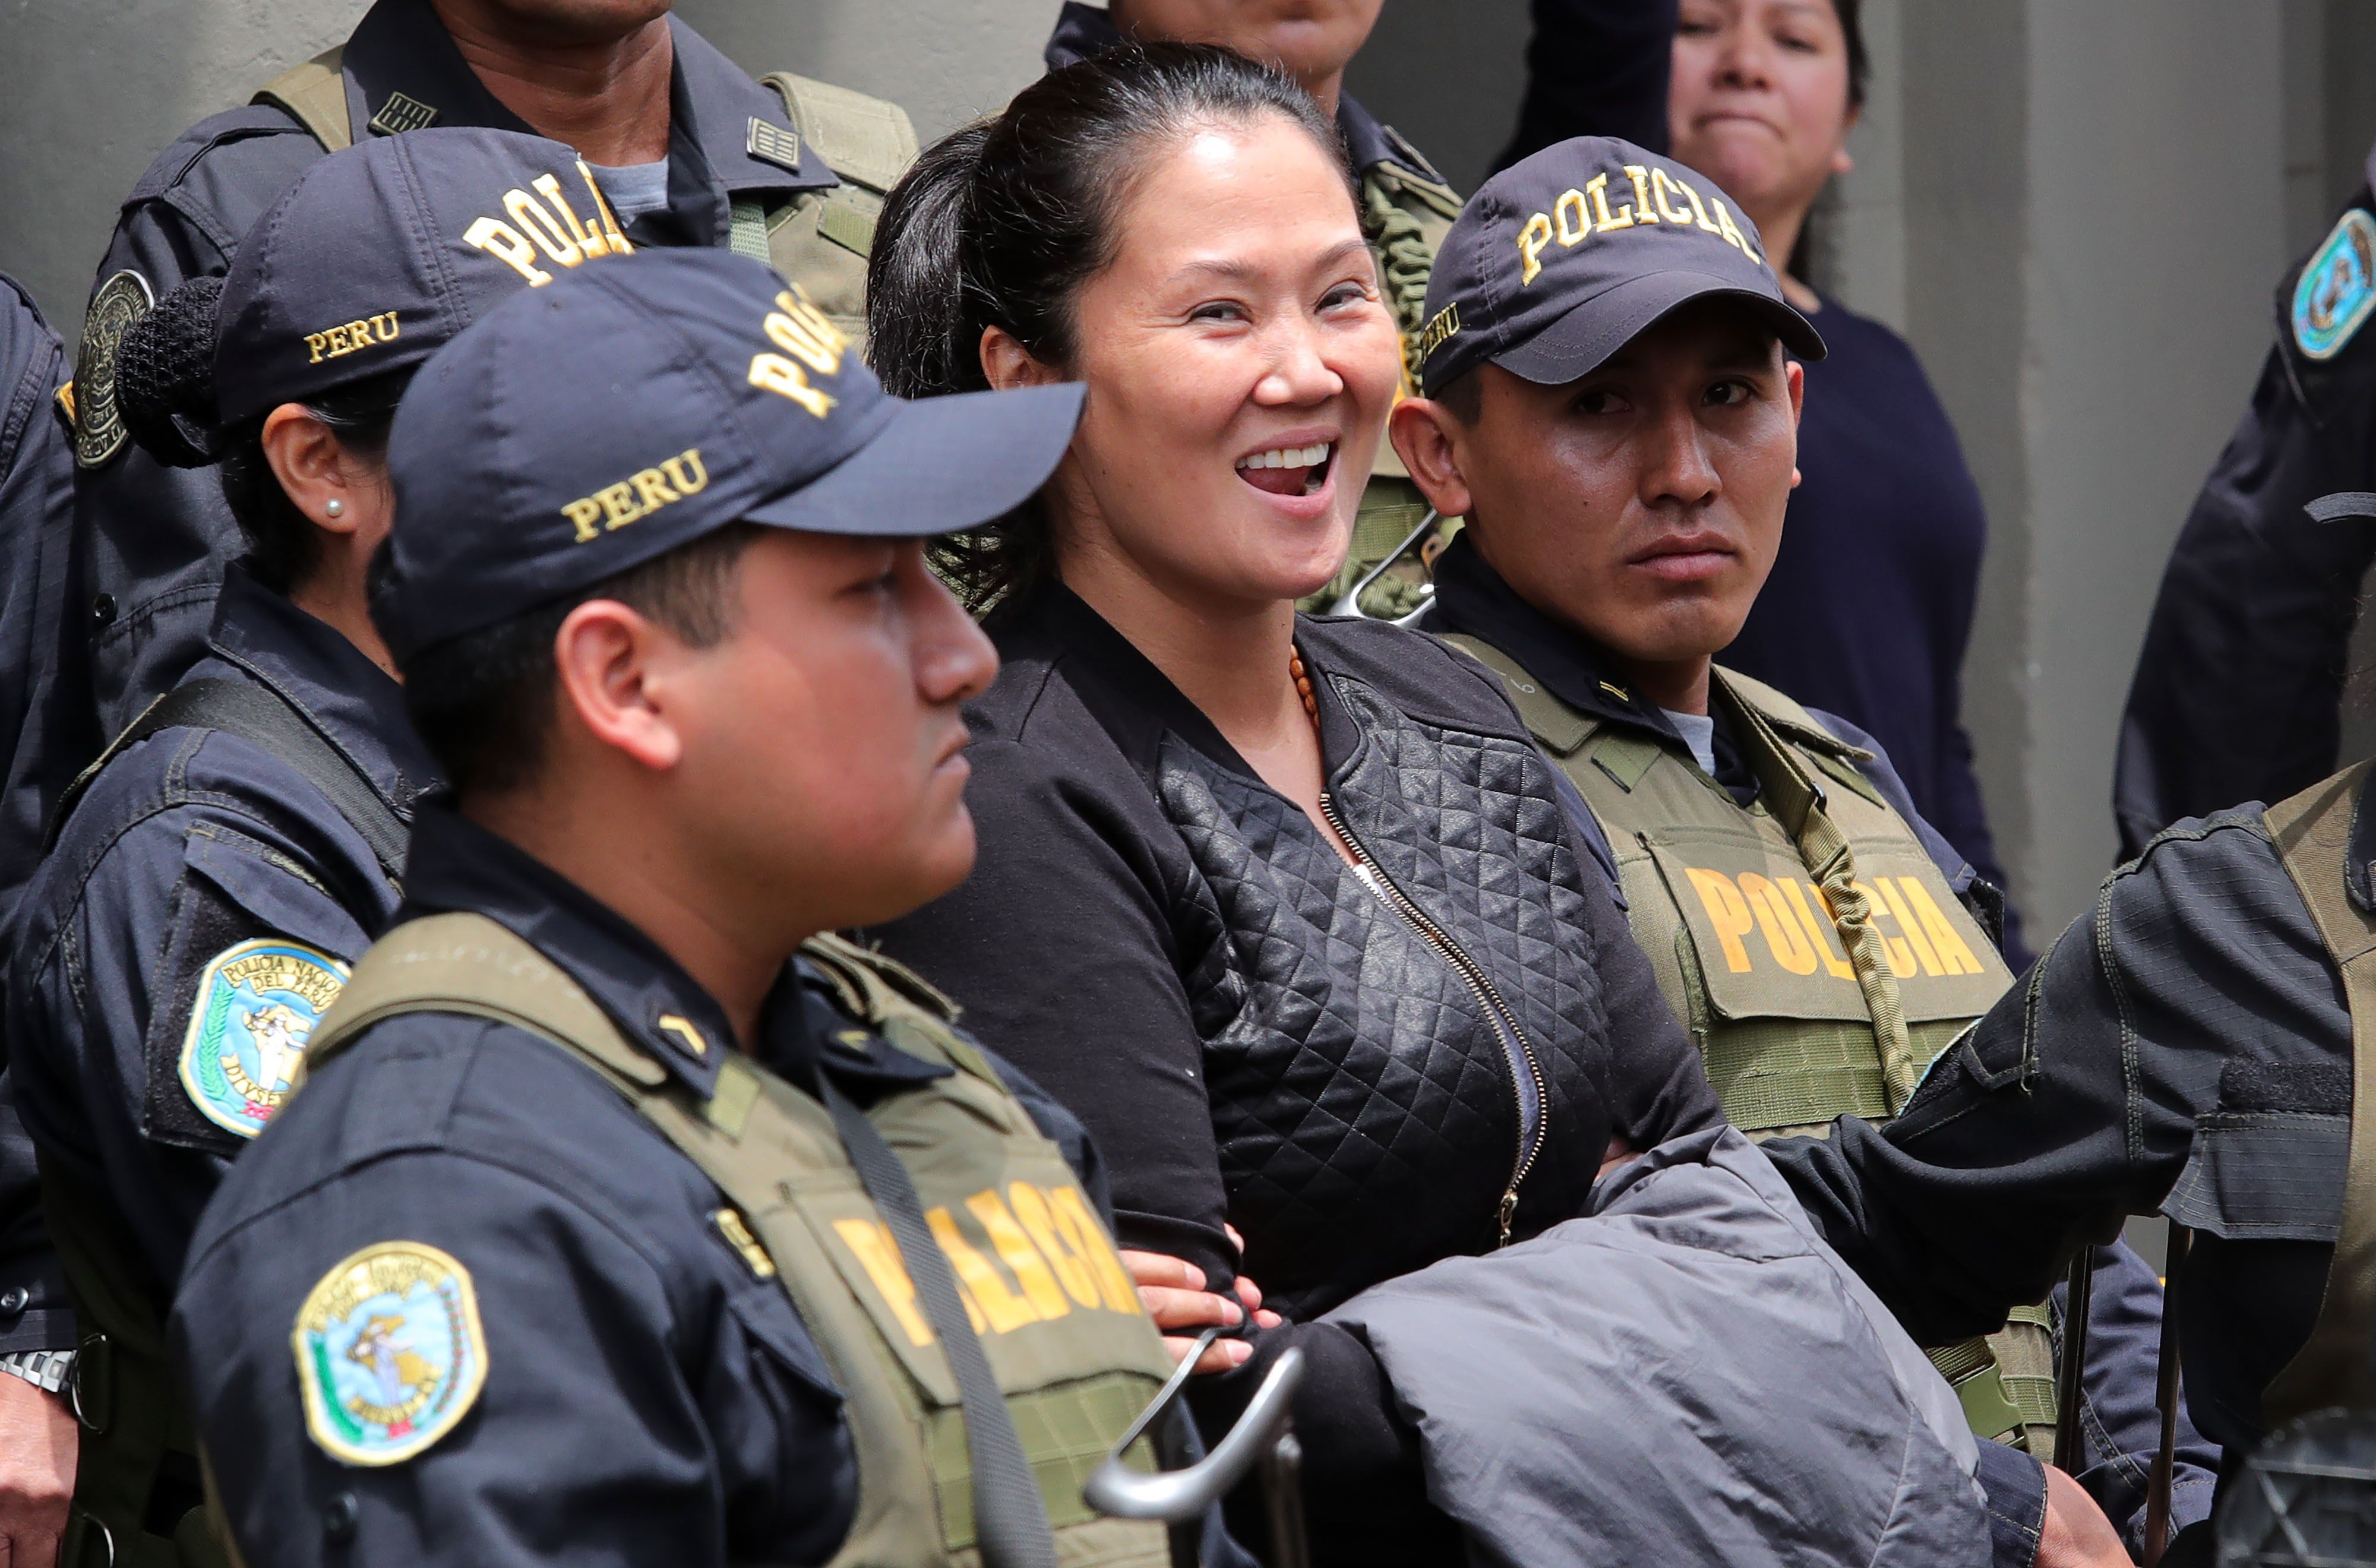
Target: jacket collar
pixel 401 63
pixel 1083 30
pixel 457 866
pixel 1132 700
pixel 355 704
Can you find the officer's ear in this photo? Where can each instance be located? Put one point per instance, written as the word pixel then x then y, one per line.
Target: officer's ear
pixel 1007 364
pixel 1426 436
pixel 614 667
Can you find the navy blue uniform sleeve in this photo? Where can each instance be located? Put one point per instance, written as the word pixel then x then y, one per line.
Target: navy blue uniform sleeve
pixel 2119 1430
pixel 646 1397
pixel 2073 1101
pixel 151 541
pixel 36 527
pixel 1596 68
pixel 587 1443
pixel 111 972
pixel 2238 684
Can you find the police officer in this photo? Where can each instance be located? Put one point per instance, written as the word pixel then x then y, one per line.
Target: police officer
pixel 2237 687
pixel 689 150
pixel 620 1212
pixel 216 874
pixel 1608 401
pixel 36 1333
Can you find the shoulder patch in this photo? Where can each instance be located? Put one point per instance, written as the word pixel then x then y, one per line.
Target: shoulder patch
pixel 256 1005
pixel 389 1352
pixel 99 429
pixel 2337 289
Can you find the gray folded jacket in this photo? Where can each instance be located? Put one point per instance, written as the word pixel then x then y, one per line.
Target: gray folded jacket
pixel 1686 1375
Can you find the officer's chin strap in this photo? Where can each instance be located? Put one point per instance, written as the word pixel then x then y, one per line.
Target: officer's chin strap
pixel 1010 1518
pixel 1179 1497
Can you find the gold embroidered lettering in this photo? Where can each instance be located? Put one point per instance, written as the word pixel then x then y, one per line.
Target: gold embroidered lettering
pixel 1954 956
pixel 1597 189
pixel 1006 1310
pixel 1073 1271
pixel 1084 1234
pixel 1532 240
pixel 1660 184
pixel 781 376
pixel 508 245
pixel 1571 231
pixel 1640 175
pixel 1820 932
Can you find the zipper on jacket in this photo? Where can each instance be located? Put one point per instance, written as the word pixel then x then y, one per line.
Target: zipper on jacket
pixel 1515 1052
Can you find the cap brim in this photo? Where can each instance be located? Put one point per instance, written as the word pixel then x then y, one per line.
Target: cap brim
pixel 939 465
pixel 1580 341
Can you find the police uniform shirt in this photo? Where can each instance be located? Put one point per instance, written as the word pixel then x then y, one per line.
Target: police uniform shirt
pixel 2240 681
pixel 154 537
pixel 647 1390
pixel 197 916
pixel 36 517
pixel 2183 1045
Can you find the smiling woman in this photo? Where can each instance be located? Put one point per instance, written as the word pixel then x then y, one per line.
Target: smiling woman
pixel 1290 911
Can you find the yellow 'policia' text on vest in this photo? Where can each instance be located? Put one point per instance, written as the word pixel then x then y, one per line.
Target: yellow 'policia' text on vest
pixel 1808 941
pixel 1057 1315
pixel 818 239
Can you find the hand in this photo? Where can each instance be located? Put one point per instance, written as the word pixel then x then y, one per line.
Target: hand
pixel 38 1449
pixel 2076 1534
pixel 1174 1295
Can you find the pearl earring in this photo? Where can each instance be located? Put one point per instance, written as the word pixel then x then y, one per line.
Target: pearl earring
pixel 335 506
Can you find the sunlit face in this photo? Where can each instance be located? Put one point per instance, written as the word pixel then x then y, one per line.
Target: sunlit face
pixel 1312 40
pixel 1643 503
pixel 1239 367
pixel 822 738
pixel 1759 100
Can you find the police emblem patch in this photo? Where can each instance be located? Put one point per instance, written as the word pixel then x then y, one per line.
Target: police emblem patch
pixel 99 429
pixel 2337 289
pixel 389 1352
pixel 255 1008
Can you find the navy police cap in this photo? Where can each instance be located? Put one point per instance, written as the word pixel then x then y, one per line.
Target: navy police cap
pixel 1563 257
pixel 586 428
pixel 381 253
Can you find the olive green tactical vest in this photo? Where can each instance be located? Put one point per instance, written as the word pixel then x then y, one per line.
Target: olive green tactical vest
pixel 818 239
pixel 1808 941
pixel 1058 1316
pixel 2312 833
pixel 1405 216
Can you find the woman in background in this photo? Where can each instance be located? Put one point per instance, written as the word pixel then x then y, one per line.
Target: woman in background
pixel 1868 610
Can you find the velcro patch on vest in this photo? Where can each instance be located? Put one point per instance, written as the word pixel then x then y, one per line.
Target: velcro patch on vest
pixel 390 1353
pixel 256 1005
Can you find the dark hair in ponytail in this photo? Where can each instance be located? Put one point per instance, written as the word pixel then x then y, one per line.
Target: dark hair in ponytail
pixel 164 390
pixel 1001 223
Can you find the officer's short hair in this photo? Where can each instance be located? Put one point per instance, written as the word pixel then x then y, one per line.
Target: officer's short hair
pixel 483 702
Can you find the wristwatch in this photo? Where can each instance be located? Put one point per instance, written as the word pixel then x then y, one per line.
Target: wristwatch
pixel 45 1369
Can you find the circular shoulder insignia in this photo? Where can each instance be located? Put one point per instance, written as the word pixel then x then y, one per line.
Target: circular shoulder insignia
pixel 389 1352
pixel 2337 288
pixel 99 429
pixel 256 1006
